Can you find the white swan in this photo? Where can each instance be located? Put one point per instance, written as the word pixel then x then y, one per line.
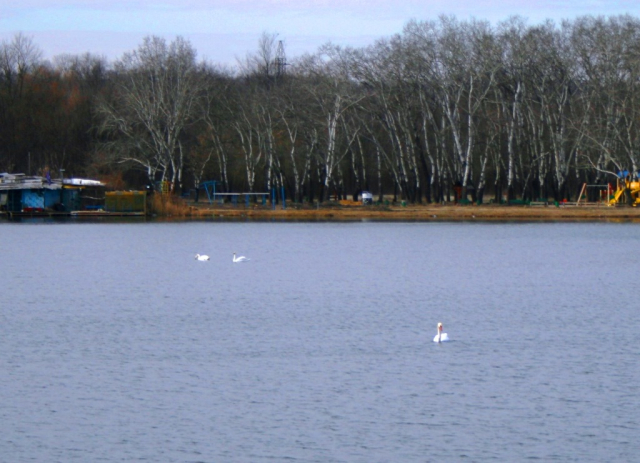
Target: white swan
pixel 440 337
pixel 202 257
pixel 239 259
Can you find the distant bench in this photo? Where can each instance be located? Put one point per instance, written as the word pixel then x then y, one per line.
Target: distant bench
pixel 234 197
pixel 517 202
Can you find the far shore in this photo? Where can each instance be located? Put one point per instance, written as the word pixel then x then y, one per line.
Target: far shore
pixel 567 212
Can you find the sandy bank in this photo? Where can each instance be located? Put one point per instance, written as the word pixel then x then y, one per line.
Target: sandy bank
pixel 424 212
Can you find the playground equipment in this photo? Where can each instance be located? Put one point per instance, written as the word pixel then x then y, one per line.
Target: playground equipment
pixel 627 191
pixel 603 193
pixel 210 188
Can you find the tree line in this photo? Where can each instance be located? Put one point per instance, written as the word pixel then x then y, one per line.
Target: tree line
pixel 512 110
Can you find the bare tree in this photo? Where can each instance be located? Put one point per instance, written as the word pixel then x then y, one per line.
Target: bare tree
pixel 20 63
pixel 18 58
pixel 155 99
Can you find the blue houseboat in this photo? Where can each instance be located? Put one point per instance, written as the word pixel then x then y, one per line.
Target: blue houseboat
pixel 22 194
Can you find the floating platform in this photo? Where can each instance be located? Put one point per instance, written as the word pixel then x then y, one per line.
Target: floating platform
pixel 53 214
pixel 100 213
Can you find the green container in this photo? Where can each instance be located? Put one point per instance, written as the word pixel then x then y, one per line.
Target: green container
pixel 125 201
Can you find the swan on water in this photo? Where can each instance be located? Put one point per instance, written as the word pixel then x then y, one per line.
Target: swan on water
pixel 202 257
pixel 239 259
pixel 440 337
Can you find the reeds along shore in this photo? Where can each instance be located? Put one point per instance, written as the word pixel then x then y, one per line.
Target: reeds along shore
pixel 168 206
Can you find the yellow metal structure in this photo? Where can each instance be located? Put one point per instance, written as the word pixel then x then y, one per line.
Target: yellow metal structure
pixel 165 187
pixel 628 192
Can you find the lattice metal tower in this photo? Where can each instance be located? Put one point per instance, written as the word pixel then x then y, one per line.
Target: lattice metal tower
pixel 281 60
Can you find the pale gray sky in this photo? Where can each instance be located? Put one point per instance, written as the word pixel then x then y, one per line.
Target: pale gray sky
pixel 223 30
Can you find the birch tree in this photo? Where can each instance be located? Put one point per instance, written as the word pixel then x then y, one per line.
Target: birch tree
pixel 157 87
pixel 332 94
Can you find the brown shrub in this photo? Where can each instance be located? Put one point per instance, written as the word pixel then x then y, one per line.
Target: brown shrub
pixel 167 205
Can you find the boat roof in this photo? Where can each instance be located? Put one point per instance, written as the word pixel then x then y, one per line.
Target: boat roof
pixel 27 182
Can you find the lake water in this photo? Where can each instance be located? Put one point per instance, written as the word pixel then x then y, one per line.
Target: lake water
pixel 117 345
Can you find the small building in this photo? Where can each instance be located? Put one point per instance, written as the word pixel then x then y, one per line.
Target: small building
pixel 20 193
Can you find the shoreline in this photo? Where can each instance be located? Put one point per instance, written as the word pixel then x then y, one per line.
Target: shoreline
pixel 424 213
pixel 392 213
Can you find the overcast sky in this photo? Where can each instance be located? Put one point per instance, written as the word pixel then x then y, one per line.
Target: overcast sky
pixel 223 30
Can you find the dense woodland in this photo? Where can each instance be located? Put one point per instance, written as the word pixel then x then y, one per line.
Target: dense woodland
pixel 512 110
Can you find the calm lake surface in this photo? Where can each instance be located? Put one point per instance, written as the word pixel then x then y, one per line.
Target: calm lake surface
pixel 117 345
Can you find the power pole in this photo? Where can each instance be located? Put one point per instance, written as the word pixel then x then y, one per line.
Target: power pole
pixel 281 60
